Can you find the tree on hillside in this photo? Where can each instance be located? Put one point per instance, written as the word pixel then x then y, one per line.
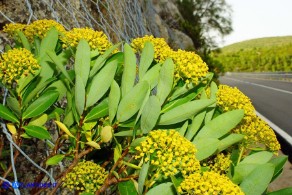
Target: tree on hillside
pixel 202 18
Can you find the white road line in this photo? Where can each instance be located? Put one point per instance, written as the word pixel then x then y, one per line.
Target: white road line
pixel 264 86
pixel 280 132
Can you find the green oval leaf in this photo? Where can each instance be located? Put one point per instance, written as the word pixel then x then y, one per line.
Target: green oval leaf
pixel 39 121
pixel 55 159
pixel 195 126
pixel 162 189
pixel 184 111
pixel 229 141
pixel 127 188
pixel 258 180
pixel 37 132
pixel 6 114
pixel 41 104
pixel 278 162
pixel 285 191
pixel 98 111
pixel 79 94
pixel 165 80
pixel 146 58
pixel 206 147
pixel 132 102
pixel 101 83
pixel 221 125
pixel 142 176
pixel 258 158
pixel 114 99
pixel 82 61
pixel 152 76
pixel 150 114
pixel 129 74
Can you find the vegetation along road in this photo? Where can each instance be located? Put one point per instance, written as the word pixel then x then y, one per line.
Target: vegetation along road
pixel 271 98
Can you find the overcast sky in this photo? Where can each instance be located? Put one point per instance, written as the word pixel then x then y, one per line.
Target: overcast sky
pixel 259 18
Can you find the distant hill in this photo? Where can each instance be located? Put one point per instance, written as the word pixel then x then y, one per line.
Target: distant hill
pixel 262 54
pixel 258 43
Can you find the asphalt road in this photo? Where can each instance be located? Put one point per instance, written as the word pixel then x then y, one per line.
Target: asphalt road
pixel 272 99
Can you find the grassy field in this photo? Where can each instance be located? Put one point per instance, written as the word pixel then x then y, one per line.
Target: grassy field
pixel 257 55
pixel 258 43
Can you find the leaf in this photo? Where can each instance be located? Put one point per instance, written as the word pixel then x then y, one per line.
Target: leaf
pixel 258 158
pixel 152 76
pixel 165 80
pixel 82 61
pixel 146 58
pixel 229 141
pixel 79 95
pixel 142 176
pixel 30 94
pixel 24 81
pixel 278 162
pixel 37 131
pixel 59 64
pixel 257 181
pixel 195 126
pixel 221 125
pixel 11 128
pixel 206 147
pixel 39 121
pixel 129 74
pixel 241 171
pixel 114 99
pixel 132 102
pixel 93 144
pixel 126 133
pixel 64 128
pixel 150 114
pixel 99 111
pixel 101 59
pixel 117 152
pixel 127 188
pixel 49 42
pixel 40 105
pixel 183 112
pixel 101 83
pixel 162 189
pixel 183 129
pixel 285 191
pixel 6 114
pixel 55 159
pixel 24 40
pixel 106 134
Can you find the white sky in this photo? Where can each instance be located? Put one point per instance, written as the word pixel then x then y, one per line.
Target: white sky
pixel 259 18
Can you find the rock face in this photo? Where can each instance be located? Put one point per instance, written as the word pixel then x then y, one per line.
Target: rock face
pixel 120 20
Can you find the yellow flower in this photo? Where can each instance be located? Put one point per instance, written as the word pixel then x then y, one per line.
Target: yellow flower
pixel 256 131
pixel 173 153
pixel 220 164
pixel 161 48
pixel 40 28
pixel 189 66
pixel 96 39
pixel 12 28
pixel 208 183
pixel 16 63
pixel 86 176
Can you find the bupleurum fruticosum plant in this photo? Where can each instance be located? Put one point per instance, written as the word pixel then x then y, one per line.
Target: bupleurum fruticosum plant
pixel 145 120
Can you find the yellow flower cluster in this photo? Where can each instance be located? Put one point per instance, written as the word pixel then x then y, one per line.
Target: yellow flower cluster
pixel 256 131
pixel 16 63
pixel 208 183
pixel 221 163
pixel 40 28
pixel 12 28
pixel 161 48
pixel 189 66
pixel 169 153
pixel 86 176
pixel 96 39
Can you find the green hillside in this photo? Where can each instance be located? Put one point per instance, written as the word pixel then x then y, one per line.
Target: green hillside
pixel 262 54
